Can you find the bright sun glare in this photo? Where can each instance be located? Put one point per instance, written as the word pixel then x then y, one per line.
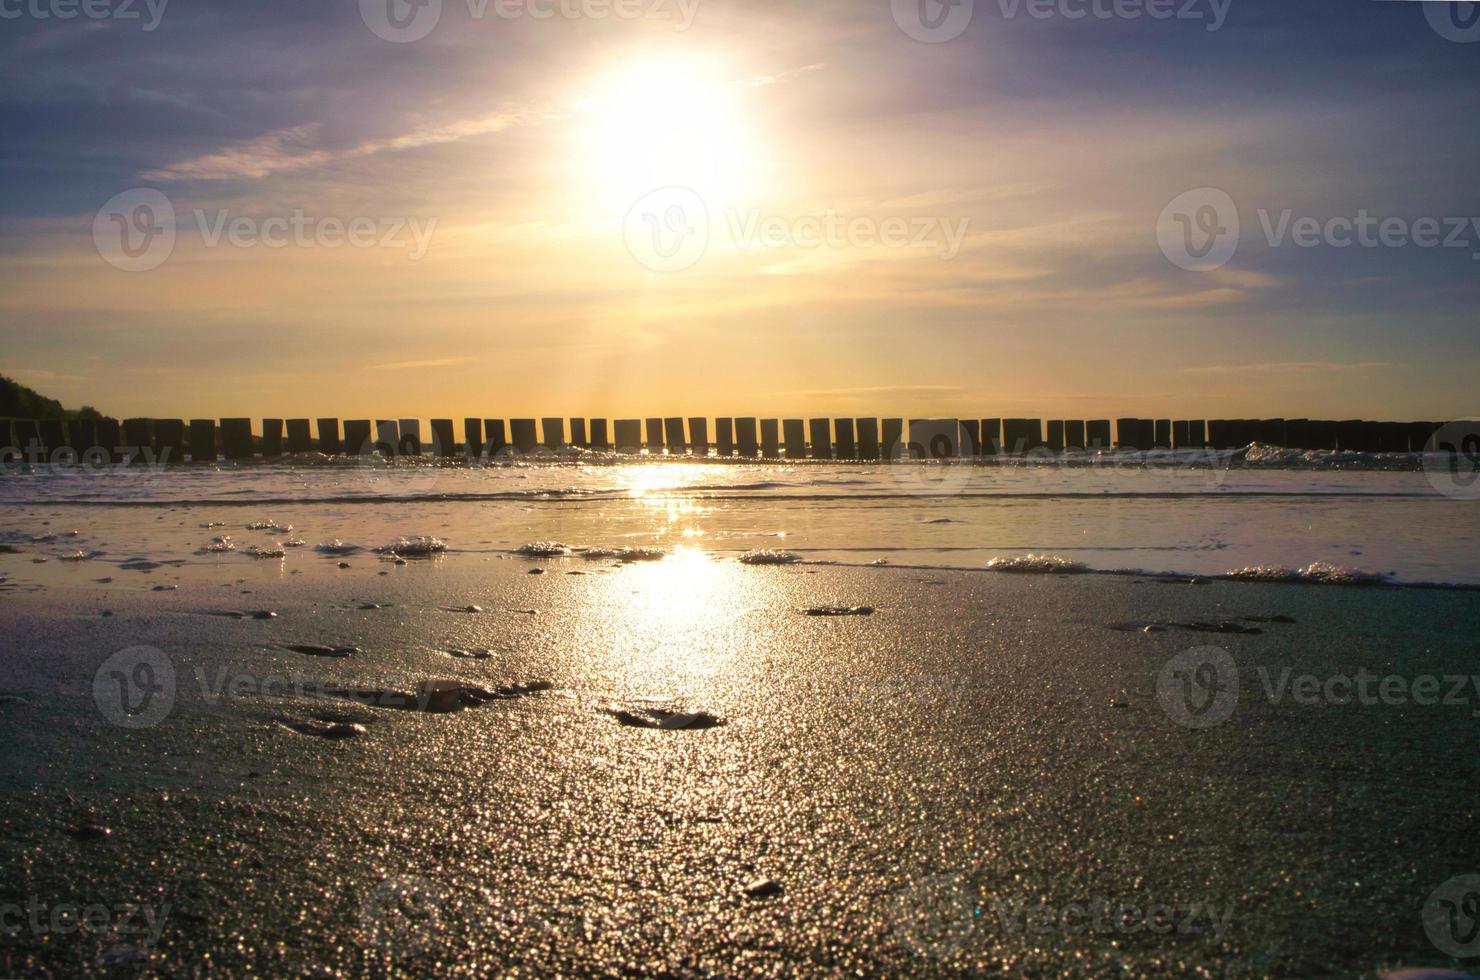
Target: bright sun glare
pixel 667 120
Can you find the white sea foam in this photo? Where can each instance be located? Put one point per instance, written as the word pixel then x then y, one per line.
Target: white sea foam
pixel 1036 565
pixel 625 554
pixel 769 556
pixel 1319 572
pixel 544 549
pixel 336 547
pixel 419 546
pixel 255 552
pixel 219 545
pixel 269 526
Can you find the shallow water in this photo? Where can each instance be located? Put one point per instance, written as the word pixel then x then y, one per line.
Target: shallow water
pixel 1190 514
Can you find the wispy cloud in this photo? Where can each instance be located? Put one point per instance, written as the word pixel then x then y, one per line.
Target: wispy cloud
pixel 290 149
pixel 413 365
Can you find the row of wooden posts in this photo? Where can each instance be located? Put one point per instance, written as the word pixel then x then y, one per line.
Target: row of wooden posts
pixel 206 440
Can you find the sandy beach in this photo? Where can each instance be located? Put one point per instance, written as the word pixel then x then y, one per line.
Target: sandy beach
pixel 675 767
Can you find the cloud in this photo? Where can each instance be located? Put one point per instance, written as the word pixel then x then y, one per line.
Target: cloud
pixel 413 365
pixel 1291 367
pixel 269 153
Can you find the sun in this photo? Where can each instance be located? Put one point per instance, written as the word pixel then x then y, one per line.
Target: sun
pixel 666 120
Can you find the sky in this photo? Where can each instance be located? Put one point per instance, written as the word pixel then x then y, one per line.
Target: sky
pixel 374 208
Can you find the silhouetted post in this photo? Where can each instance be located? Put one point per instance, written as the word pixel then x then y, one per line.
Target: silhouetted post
pixel 746 438
pixel 387 437
pixel 771 438
pixel 1097 434
pixel 1297 433
pixel 578 434
pixel 272 437
pixel 1022 435
pixel 699 436
pixel 203 440
pixel 1271 432
pixel 673 435
pixel 300 439
pixel 357 440
pixel 655 436
pixel 8 444
pixel 169 440
pixel 821 438
pixel 868 438
pixel 1073 434
pixel 600 441
pixel 554 430
pixel 473 447
pixel 81 438
pixel 934 439
pixel 236 438
pixel 991 437
pixel 1419 434
pixel 1197 436
pixel 724 437
pixel 893 440
pixel 1161 434
pixel 523 435
pixel 28 440
pixel 108 436
pixel 629 435
pixel 1393 437
pixel 495 432
pixel 411 437
pixel 1218 433
pixel 444 443
pixel 329 443
pixel 1179 433
pixel 795 433
pixel 137 436
pixel 52 435
pixel 847 445
pixel 1055 440
pixel 1126 431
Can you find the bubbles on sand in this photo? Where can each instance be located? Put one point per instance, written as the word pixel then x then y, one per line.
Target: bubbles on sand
pixel 269 526
pixel 769 556
pixel 218 545
pixel 624 554
pixel 543 549
pixel 255 551
pixel 1317 573
pixel 421 546
pixel 1036 565
pixel 336 547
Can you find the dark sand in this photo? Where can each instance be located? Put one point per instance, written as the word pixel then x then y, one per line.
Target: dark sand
pixel 888 786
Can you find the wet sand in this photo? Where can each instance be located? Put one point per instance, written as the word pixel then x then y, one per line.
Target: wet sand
pixel 980 776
